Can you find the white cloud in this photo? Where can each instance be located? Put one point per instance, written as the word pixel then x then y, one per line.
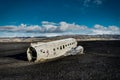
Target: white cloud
pixel 71 27
pixel 64 26
pixel 88 3
pixel 99 29
pixel 49 26
pixel 98 2
pixel 7 28
pixel 114 28
pixel 33 28
pixel 54 29
pixel 48 23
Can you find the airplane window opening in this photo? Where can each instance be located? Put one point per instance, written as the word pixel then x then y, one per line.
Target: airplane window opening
pixel 54 49
pixel 61 47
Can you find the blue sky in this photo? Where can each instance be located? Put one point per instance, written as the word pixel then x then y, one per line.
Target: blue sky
pixel 56 17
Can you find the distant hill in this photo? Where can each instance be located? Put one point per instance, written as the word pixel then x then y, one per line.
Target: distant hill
pixel 78 37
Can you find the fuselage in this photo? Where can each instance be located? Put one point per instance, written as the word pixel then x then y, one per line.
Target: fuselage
pixel 51 49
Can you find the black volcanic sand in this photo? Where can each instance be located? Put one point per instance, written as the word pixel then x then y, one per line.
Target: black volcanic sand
pixel 101 61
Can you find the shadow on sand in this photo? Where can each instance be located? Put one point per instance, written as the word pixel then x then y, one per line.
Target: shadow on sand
pixel 21 56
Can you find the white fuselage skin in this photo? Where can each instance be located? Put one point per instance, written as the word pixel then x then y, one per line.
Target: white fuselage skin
pixel 52 49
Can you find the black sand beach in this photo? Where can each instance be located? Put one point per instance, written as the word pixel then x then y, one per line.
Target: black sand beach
pixel 101 61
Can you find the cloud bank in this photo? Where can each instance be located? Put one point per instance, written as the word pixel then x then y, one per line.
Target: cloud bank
pixel 55 29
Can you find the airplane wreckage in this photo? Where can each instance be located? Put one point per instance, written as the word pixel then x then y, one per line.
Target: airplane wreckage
pixel 50 50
